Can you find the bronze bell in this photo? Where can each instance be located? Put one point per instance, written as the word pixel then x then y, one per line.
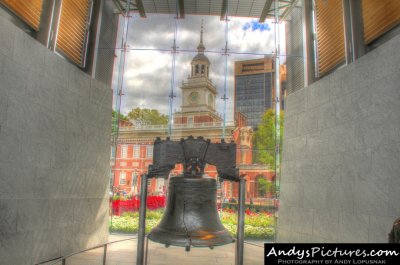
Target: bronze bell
pixel 191 216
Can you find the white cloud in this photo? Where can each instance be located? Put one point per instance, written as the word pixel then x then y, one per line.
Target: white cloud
pixel 148 72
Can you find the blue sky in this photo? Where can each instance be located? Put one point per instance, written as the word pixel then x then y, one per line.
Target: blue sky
pixel 147 79
pixel 254 25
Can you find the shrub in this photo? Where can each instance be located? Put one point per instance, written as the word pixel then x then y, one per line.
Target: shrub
pixel 130 214
pixel 156 215
pixel 257 225
pixel 250 207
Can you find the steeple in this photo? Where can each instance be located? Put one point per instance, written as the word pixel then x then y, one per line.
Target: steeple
pixel 200 63
pixel 198 93
pixel 200 47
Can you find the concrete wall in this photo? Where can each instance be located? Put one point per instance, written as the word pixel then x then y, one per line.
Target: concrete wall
pixel 108 29
pixel 54 153
pixel 341 154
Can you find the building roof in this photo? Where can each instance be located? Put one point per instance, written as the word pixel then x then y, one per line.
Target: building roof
pixel 209 130
pixel 261 9
pixel 201 57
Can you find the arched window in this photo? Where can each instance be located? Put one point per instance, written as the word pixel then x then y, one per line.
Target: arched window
pixel 202 69
pixel 197 69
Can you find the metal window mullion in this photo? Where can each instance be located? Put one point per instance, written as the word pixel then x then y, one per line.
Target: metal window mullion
pixel 46 18
pixel 96 38
pixel 348 44
pixel 308 44
pixel 353 30
pixel 56 14
pixel 87 34
pixel 315 40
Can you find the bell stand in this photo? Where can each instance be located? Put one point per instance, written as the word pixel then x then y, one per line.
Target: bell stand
pixel 142 250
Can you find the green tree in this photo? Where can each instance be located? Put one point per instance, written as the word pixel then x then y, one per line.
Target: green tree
pixel 147 117
pixel 122 117
pixel 265 186
pixel 264 140
pixel 115 120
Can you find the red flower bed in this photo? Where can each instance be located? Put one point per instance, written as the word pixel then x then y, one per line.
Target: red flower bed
pixel 121 206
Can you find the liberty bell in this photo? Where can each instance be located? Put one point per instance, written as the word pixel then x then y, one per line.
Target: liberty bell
pixel 191 215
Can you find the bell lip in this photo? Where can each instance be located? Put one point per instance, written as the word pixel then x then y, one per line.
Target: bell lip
pixel 195 245
pixel 158 235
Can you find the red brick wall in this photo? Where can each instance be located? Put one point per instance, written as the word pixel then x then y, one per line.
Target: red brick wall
pixel 180 120
pixel 240 119
pixel 202 119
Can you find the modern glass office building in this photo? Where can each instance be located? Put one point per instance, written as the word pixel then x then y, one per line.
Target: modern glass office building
pixel 254 88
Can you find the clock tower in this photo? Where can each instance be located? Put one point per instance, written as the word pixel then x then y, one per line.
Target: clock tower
pixel 198 93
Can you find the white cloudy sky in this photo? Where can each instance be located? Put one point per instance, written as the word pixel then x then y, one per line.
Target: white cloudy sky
pixel 148 66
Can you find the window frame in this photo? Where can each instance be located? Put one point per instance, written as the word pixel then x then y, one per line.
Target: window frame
pixel 136 151
pixel 124 151
pixel 122 176
pixel 149 151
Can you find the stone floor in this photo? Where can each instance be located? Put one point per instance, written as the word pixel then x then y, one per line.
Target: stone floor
pixel 124 253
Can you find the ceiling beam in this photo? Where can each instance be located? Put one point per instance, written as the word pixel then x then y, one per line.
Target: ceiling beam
pixel 181 8
pixel 288 10
pixel 224 9
pixel 265 11
pixel 139 6
pixel 119 6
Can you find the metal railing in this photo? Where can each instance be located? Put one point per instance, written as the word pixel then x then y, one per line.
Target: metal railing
pixel 63 259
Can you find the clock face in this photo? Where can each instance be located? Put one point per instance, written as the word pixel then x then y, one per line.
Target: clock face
pixel 194 97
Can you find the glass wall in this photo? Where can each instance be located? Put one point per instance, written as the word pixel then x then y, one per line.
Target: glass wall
pixel 197 76
pixel 218 79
